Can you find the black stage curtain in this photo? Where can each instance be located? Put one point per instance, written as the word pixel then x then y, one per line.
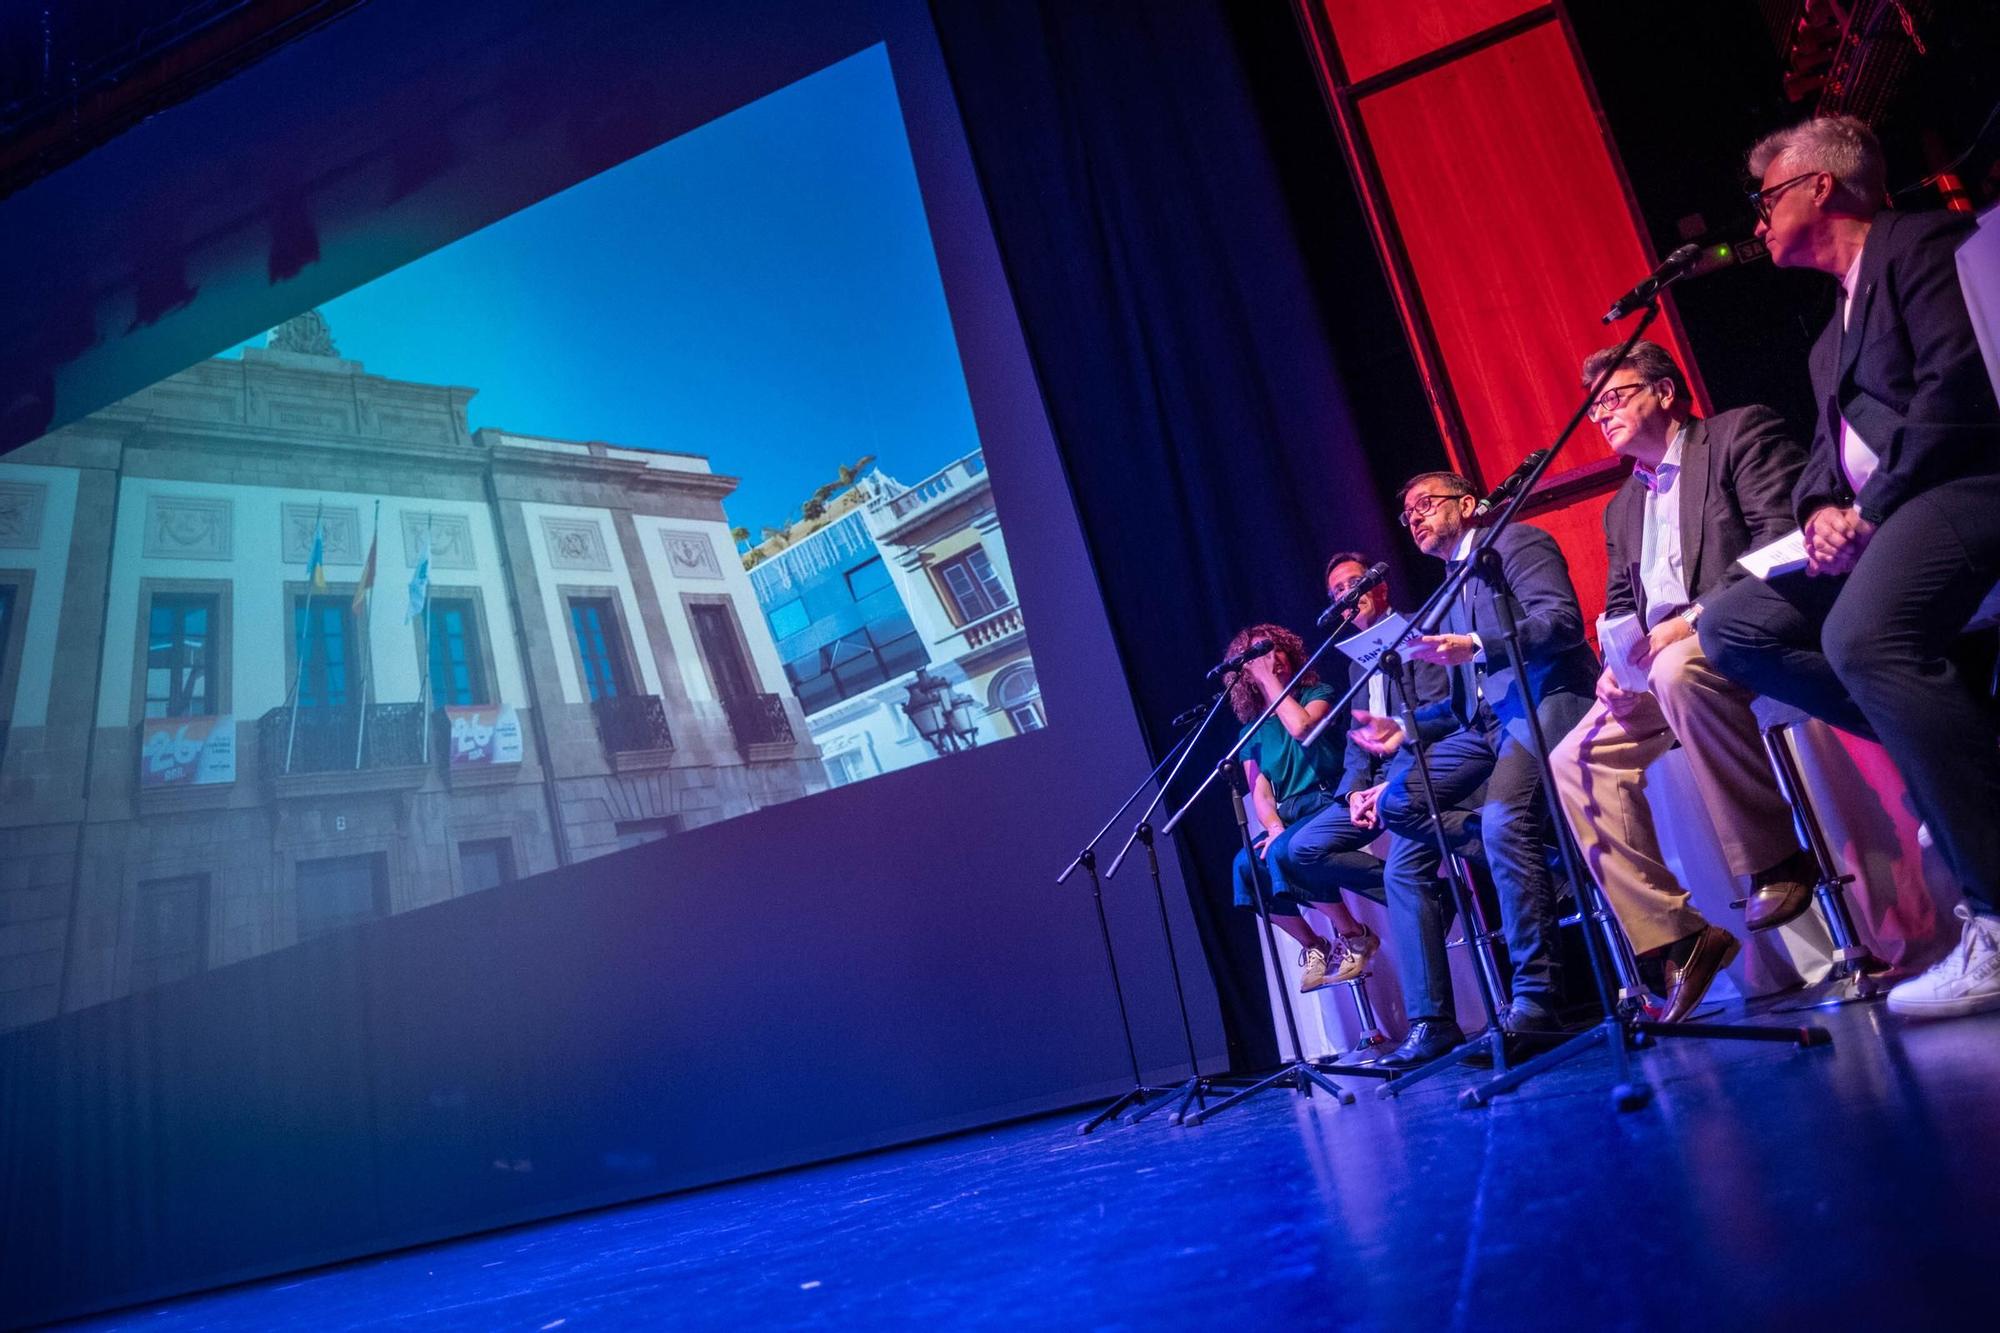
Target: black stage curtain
pixel 1215 344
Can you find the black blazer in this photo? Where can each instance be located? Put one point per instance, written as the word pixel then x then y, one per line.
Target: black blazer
pixel 1361 770
pixel 1558 660
pixel 1907 373
pixel 1738 469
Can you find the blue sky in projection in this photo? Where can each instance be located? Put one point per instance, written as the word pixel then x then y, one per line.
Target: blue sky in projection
pixel 761 291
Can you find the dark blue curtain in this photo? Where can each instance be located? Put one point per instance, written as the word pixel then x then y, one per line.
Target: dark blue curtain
pixel 1229 387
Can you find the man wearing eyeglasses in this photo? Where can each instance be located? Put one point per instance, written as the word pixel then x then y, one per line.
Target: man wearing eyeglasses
pixel 1480 735
pixel 1321 856
pixel 1898 503
pixel 1701 493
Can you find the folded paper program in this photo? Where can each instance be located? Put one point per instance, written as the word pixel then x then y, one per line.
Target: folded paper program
pixel 1787 555
pixel 1619 638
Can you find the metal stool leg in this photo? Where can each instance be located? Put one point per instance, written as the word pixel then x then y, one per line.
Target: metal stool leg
pixel 1632 992
pixel 1372 1037
pixel 1854 965
pixel 1480 937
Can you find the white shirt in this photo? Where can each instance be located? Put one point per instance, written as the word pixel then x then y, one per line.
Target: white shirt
pixel 1857 460
pixel 1662 571
pixel 1465 541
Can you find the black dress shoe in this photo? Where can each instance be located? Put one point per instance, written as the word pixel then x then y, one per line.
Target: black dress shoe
pixel 1428 1039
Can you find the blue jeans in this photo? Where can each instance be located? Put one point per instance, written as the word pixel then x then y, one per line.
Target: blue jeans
pixel 1278 889
pixel 1513 830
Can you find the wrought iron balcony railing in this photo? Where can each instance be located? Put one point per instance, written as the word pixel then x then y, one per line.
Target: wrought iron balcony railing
pixel 758 719
pixel 630 723
pixel 333 740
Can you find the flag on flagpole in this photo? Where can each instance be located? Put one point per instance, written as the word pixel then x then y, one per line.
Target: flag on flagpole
pixel 362 588
pixel 420 578
pixel 316 558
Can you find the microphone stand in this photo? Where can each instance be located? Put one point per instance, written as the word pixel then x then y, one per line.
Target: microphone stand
pixel 1620 1027
pixel 1402 676
pixel 1140 1092
pixel 1298 1073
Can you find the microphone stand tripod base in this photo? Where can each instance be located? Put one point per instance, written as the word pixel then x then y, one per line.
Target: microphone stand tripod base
pixel 1301 1075
pixel 1297 1073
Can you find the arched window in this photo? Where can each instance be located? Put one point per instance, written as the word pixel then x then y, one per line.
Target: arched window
pixel 1018 694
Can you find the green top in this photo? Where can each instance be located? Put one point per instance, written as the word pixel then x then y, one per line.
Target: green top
pixel 1285 762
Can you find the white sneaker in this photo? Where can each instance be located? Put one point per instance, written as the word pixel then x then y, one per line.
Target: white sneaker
pixel 1964 981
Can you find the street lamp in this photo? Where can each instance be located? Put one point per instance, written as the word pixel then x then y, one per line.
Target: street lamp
pixel 941 717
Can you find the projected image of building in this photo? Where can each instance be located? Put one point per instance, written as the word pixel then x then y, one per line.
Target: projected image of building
pixel 213 747
pixel 896 621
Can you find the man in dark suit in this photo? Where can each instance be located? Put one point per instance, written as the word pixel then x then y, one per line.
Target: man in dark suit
pixel 1900 506
pixel 1479 734
pixel 1322 856
pixel 1701 493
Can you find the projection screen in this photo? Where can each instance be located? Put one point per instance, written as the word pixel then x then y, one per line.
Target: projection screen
pixel 546 656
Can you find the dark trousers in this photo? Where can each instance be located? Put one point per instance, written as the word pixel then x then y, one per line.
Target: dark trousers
pixel 1513 833
pixel 1318 858
pixel 1867 652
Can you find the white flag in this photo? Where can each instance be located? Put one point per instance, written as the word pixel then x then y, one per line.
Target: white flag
pixel 420 580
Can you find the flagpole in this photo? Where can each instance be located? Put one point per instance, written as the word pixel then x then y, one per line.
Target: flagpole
pixel 424 656
pixel 305 622
pixel 367 597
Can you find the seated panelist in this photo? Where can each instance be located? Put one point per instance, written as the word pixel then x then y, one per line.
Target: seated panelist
pixel 1289 783
pixel 1702 491
pixel 1479 735
pixel 1321 856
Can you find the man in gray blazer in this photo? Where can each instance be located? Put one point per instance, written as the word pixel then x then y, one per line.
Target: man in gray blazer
pixel 1701 493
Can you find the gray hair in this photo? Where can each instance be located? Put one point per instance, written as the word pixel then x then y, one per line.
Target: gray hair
pixel 1841 146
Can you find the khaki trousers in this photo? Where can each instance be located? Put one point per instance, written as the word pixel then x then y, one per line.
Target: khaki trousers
pixel 1600 771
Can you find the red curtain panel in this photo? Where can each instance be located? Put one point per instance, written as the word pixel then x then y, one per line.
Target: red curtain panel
pixel 1502 214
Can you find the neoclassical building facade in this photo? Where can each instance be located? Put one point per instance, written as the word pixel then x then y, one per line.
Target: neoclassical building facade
pixel 207 753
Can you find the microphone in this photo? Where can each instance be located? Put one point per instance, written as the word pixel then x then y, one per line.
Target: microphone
pixel 1513 482
pixel 1690 261
pixel 1674 267
pixel 1350 599
pixel 1229 664
pixel 1194 714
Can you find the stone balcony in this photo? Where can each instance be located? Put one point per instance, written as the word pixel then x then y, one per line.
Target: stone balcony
pixel 891 514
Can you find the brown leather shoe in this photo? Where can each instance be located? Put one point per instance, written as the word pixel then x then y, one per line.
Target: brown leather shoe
pixel 1714 949
pixel 1781 893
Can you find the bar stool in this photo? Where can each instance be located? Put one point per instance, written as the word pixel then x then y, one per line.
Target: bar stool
pixel 1855 966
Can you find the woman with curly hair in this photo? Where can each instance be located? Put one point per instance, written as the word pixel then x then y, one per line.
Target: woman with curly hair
pixel 1289 783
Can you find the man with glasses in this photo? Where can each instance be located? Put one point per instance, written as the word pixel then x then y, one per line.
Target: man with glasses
pixel 1701 493
pixel 1321 857
pixel 1479 734
pixel 1898 502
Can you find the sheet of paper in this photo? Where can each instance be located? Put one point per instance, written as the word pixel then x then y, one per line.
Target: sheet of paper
pixel 1617 637
pixel 1787 555
pixel 1377 639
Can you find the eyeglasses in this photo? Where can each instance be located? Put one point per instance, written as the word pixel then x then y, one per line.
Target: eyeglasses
pixel 1420 506
pixel 1611 400
pixel 1763 200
